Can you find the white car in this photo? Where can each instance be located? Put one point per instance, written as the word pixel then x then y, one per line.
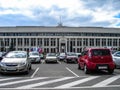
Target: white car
pixel 34 57
pixel 15 62
pixel 116 59
pixel 51 57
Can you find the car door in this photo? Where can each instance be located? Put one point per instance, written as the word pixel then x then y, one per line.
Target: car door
pixel 84 56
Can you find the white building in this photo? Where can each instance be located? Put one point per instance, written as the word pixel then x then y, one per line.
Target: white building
pixel 59 39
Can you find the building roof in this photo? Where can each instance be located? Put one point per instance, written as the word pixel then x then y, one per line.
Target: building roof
pixel 59 29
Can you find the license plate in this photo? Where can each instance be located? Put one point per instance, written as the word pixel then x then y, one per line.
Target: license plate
pixel 102 67
pixel 11 68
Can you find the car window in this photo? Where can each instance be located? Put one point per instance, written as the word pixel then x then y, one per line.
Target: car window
pixel 71 54
pixel 84 53
pixel 51 54
pixel 117 54
pixel 15 55
pixel 97 52
pixel 34 53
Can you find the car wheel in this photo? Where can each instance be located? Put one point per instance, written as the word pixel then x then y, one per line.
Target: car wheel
pixel 76 61
pixel 86 69
pixel 111 71
pixel 79 66
pixel 28 70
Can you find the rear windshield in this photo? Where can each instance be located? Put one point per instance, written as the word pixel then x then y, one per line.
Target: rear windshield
pixel 100 52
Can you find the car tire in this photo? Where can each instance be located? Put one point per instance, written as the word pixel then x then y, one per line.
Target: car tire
pixel 28 70
pixel 86 69
pixel 111 71
pixel 79 67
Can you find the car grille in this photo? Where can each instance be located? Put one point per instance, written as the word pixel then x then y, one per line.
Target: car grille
pixel 11 64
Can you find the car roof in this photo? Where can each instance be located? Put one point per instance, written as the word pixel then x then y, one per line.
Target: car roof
pixel 97 48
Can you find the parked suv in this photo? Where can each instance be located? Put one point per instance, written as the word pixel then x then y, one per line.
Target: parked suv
pixel 96 59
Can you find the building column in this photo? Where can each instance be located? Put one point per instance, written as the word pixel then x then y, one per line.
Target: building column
pixel 22 43
pixel 16 43
pixel 75 44
pixel 49 45
pixel 36 39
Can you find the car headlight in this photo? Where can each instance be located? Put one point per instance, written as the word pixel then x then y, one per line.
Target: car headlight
pixel 22 64
pixel 2 64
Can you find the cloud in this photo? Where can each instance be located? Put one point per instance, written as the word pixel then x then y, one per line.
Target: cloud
pixel 103 13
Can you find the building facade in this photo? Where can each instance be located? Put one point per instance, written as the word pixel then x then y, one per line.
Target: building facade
pixel 58 39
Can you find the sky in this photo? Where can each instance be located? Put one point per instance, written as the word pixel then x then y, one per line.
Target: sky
pixel 73 13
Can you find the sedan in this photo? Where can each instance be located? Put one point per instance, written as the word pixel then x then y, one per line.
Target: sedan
pixel 71 57
pixel 61 56
pixel 15 62
pixel 116 59
pixel 51 57
pixel 34 57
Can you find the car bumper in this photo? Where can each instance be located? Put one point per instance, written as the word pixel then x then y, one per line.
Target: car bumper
pixel 71 59
pixel 100 66
pixel 51 60
pixel 13 69
pixel 33 60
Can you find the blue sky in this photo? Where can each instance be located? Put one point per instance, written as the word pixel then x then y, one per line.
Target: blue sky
pixel 75 13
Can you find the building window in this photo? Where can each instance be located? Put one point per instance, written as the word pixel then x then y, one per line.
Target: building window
pixel 46 50
pixel 53 41
pixel 97 42
pixel 33 41
pixel 109 43
pixel 53 50
pixel 79 42
pixel 91 42
pixel 26 41
pixel 85 42
pixel 7 41
pixel 39 42
pixel 46 41
pixel 19 41
pixel 103 42
pixel 114 42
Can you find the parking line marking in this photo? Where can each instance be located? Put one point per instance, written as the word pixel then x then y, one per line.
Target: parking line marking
pixel 59 62
pixel 43 83
pixel 35 72
pixel 71 84
pixel 5 79
pixel 107 81
pixel 21 81
pixel 72 72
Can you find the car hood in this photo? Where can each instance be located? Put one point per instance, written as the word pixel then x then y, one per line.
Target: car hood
pixel 34 56
pixel 13 60
pixel 50 57
pixel 71 56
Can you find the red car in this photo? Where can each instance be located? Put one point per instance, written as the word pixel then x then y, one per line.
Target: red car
pixel 96 59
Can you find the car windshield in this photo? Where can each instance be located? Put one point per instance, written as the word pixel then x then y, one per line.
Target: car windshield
pixel 97 52
pixel 35 53
pixel 16 55
pixel 51 54
pixel 71 54
pixel 117 54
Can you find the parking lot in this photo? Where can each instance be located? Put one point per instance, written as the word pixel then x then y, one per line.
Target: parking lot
pixel 60 76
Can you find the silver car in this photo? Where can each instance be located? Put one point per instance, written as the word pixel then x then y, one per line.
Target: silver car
pixel 116 59
pixel 34 57
pixel 15 62
pixel 51 57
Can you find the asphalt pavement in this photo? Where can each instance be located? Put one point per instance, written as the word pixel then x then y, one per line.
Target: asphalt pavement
pixel 60 76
